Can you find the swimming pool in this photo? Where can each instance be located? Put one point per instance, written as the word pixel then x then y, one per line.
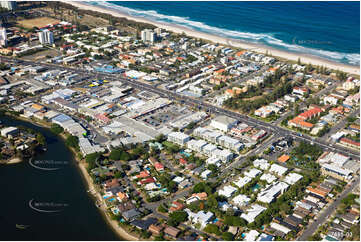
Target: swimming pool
pixel 184 153
pixel 255 187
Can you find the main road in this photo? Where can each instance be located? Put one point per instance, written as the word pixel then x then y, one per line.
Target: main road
pixel 271 128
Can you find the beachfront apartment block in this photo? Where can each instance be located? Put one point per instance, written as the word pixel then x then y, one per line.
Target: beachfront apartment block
pixel 3 37
pixel 148 35
pixel 46 37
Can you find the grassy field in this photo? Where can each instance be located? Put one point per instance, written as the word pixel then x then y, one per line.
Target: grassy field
pixel 37 22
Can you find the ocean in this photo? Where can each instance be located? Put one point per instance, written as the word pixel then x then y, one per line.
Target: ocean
pixel 329 30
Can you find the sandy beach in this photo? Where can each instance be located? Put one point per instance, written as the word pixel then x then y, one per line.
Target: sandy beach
pixel 226 41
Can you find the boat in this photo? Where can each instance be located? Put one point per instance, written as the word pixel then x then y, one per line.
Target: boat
pixel 21 226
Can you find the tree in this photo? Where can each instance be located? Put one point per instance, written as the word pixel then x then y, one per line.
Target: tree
pixel 212 202
pixel 202 187
pixel 227 236
pixel 125 156
pixel 92 157
pixel 179 216
pixel 115 154
pixel 172 186
pixel 160 138
pixel 119 174
pixel 235 221
pixel 162 209
pixel 213 229
pixel 40 139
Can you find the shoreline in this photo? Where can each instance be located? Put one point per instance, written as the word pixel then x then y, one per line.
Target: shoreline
pixel 291 56
pixel 122 233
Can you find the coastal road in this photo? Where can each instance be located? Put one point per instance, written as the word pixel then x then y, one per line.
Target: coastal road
pixel 323 216
pixel 280 131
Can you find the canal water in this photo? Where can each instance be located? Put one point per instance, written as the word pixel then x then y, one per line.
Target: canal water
pixel 50 203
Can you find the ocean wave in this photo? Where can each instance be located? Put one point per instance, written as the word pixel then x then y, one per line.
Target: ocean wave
pixel 264 38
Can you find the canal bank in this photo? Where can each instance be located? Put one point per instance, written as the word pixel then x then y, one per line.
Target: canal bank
pixel 53 205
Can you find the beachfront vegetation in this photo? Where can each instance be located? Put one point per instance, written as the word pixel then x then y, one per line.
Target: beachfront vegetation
pixel 56 128
pixel 72 141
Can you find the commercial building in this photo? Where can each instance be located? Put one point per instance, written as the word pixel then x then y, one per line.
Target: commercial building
pixel 223 123
pixel 350 143
pixel 336 172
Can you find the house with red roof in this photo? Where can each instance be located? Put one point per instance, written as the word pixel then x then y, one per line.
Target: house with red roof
pixel 176 206
pixel 182 161
pixel 143 174
pixel 147 180
pixel 350 143
pixel 159 166
pixel 311 113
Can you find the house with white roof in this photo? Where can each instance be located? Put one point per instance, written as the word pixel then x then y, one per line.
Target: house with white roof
pixel 241 200
pixel 261 164
pixel 280 227
pixel 292 178
pixel 252 173
pixel 196 145
pixel 205 174
pixel 201 217
pixel 252 212
pixel 269 178
pixel 242 181
pixel 251 235
pixel 269 194
pixel 227 191
pixel 279 170
pixel 213 161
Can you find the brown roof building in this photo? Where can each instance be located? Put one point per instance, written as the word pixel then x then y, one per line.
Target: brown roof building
pixel 171 231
